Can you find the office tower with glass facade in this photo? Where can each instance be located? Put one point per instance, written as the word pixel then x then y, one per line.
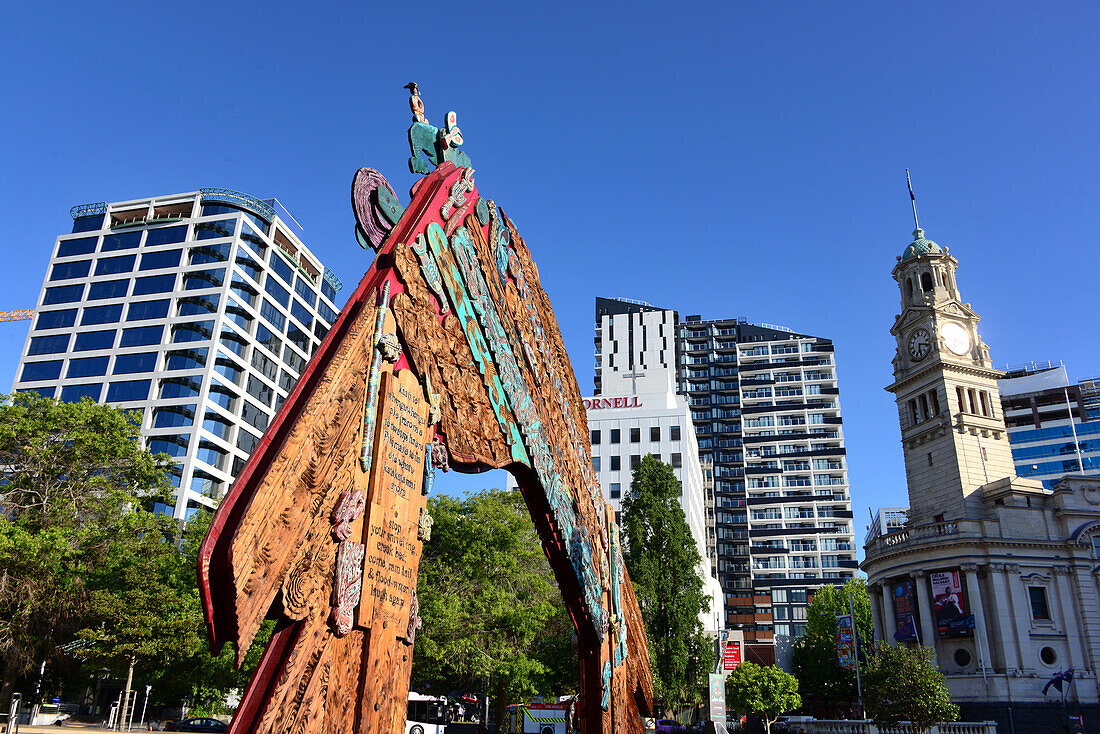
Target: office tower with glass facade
pixel 765 409
pixel 200 310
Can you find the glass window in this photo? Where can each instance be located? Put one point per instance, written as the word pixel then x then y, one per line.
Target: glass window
pixel 143 310
pixel 179 387
pixel 171 445
pixel 234 342
pixel 1038 597
pixel 328 290
pixel 76 393
pixel 214 230
pixel 114 265
pixel 259 390
pixel 325 312
pixel 199 305
pixel 635 435
pixel 203 279
pixel 65 271
pixel 128 390
pixel 305 291
pixel 268 339
pixel 595 463
pixel 616 490
pixel 244 291
pixel 46 392
pixel 616 435
pixel 266 366
pixel 595 440
pixel 155 284
pixel 300 312
pixel 635 460
pixel 35 371
pixel 186 359
pixel 298 338
pixel 236 313
pixel 674 433
pixel 286 380
pixel 49 344
pixel 88 224
pixel 90 340
pixel 160 259
pixel 108 289
pixel 676 461
pixel 256 241
pixel 276 291
pixel 102 314
pixel 87 367
pixel 293 359
pixel 655 433
pixel 217 426
pixel 192 331
pixel 126 364
pixel 63 294
pixel 246 441
pixel 254 416
pixel 284 269
pixel 79 246
pixel 229 369
pixel 56 319
pixel 616 463
pixel 320 330
pixel 209 254
pixel 165 236
pixel 120 241
pixel 209 210
pixel 173 416
pixel 221 395
pixel 250 267
pixel 272 314
pixel 142 336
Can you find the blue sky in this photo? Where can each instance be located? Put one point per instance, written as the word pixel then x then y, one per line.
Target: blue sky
pixel 729 159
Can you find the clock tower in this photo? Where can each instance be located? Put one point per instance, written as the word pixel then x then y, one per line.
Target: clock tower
pixel 949 408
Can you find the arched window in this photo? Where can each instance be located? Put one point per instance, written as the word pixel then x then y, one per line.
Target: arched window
pixel 909 287
pixel 926 281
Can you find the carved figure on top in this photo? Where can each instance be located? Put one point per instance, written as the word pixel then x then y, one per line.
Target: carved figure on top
pixel 431 144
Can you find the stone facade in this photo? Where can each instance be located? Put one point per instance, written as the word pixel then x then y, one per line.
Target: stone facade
pixel 1026 556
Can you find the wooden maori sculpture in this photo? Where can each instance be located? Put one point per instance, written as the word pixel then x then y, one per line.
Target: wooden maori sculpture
pixel 447 354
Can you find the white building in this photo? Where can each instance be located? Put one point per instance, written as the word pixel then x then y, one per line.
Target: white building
pixel 199 309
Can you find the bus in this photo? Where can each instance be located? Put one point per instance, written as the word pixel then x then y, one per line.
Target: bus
pixel 426 714
pixel 538 718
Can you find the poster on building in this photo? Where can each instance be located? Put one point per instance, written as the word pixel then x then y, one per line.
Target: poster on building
pixel 948 605
pixel 845 642
pixel 904 612
pixel 717 700
pixel 731 656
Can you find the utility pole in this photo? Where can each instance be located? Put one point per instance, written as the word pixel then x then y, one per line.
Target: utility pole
pixel 855 638
pixel 124 707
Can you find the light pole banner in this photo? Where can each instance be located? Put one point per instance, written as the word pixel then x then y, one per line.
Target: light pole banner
pixel 716 693
pixel 845 642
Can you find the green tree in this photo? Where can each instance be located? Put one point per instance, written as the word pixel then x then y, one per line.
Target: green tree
pixel 766 691
pixel 814 659
pixel 662 560
pixel 493 615
pixel 903 684
pixel 73 474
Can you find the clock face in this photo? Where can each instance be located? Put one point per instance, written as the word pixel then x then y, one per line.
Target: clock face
pixel 920 344
pixel 955 338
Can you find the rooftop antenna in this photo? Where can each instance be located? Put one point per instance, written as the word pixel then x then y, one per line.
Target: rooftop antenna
pixel 912 198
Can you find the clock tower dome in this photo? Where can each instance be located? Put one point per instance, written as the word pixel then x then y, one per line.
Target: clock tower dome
pixel 949 408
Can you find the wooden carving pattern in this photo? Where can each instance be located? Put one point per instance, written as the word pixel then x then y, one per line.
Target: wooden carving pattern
pixel 452 321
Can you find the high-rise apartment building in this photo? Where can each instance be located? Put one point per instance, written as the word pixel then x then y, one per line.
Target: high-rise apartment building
pixel 200 310
pixel 766 413
pixel 1053 424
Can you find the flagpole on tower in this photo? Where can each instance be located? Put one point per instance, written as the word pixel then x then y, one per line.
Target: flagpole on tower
pixel 912 198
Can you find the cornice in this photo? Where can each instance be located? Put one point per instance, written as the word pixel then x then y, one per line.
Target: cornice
pixel 940 364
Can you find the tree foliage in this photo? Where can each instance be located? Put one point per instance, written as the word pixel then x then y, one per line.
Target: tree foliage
pixel 903 684
pixel 766 691
pixel 661 558
pixel 814 660
pixel 492 611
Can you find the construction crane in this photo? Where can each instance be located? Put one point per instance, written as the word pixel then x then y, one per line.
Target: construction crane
pixel 24 315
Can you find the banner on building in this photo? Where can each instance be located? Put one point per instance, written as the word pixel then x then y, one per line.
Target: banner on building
pixel 905 612
pixel 948 605
pixel 731 656
pixel 845 641
pixel 717 700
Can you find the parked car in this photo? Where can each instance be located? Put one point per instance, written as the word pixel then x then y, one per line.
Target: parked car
pixel 208 725
pixel 670 726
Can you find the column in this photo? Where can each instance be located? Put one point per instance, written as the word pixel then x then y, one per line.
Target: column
pixel 888 612
pixel 876 618
pixel 1074 641
pixel 1004 620
pixel 974 596
pixel 1021 615
pixel 924 608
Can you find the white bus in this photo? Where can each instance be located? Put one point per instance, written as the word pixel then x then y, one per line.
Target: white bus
pixel 426 714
